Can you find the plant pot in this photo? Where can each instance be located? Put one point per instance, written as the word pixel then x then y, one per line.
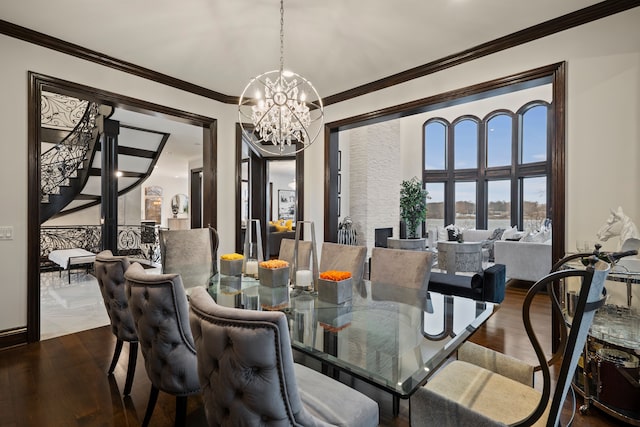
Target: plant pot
pixel 273 277
pixel 335 292
pixel 231 267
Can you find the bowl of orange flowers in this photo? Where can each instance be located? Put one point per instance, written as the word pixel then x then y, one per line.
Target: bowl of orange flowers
pixel 273 273
pixel 335 286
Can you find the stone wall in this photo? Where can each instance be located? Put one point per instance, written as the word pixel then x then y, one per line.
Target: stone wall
pixel 375 176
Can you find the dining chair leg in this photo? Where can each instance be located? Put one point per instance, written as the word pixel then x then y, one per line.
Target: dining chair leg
pixel 116 356
pixel 181 411
pixel 131 369
pixel 153 398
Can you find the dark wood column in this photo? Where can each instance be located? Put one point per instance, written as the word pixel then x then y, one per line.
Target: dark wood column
pixel 109 185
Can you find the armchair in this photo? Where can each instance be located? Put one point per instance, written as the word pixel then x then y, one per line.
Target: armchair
pixel 159 306
pixel 248 376
pixel 109 271
pixel 485 388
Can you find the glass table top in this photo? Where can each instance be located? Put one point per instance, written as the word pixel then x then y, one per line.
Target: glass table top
pixel 389 336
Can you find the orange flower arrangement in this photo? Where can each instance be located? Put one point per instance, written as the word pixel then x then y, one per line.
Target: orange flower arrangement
pixel 335 275
pixel 274 263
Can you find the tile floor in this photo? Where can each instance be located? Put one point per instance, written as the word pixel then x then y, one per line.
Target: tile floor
pixel 67 308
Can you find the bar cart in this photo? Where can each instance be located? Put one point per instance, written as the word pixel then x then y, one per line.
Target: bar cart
pixel 608 374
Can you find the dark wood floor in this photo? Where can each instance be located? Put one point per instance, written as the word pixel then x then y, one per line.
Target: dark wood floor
pixel 63 382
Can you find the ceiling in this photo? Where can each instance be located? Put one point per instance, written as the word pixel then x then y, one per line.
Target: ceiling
pixel 221 44
pixel 336 44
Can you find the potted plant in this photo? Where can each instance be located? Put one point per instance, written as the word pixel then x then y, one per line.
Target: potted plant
pixel 413 205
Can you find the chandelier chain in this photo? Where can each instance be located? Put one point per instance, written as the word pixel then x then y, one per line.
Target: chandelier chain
pixel 281 36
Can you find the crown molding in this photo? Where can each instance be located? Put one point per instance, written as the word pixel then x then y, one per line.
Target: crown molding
pixel 40 39
pixel 562 23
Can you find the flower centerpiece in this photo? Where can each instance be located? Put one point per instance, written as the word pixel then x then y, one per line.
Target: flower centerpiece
pixel 273 273
pixel 231 264
pixel 335 286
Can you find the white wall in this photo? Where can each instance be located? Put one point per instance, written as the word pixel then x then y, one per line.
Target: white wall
pixel 603 130
pixel 603 107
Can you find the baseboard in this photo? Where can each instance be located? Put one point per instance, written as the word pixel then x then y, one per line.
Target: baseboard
pixel 13 337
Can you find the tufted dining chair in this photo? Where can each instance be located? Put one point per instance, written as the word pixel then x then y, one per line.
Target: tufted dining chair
pixel 160 311
pixel 248 376
pixel 487 388
pixel 109 271
pixel 190 253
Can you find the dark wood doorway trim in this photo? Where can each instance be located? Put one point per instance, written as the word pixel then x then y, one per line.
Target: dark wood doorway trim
pixel 195 196
pixel 259 195
pixel 554 74
pixel 40 82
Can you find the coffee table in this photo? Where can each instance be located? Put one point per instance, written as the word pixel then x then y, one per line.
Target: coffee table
pixel 393 338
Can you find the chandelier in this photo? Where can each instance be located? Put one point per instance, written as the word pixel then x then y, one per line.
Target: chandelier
pixel 279 111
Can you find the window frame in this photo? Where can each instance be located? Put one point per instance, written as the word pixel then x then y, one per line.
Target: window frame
pixel 515 172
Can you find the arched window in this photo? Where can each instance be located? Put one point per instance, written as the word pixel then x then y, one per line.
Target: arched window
pixel 509 186
pixel 465 143
pixel 534 134
pixel 499 138
pixel 435 145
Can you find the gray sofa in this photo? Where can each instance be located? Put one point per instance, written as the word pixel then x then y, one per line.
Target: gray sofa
pixel 529 261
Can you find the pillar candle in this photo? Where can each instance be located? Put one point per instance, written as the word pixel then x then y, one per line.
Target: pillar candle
pixel 303 278
pixel 251 267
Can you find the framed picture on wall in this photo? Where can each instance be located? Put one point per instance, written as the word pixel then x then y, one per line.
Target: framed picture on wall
pixel 286 204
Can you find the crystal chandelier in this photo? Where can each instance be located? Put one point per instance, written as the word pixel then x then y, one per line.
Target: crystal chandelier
pixel 279 111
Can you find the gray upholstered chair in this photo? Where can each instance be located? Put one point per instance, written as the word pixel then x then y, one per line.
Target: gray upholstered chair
pixel 190 253
pixel 397 267
pixel 486 388
pixel 109 270
pixel 349 258
pixel 248 376
pixel 160 310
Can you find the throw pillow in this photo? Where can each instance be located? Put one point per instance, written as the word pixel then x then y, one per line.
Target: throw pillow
pixel 497 234
pixel 510 233
pixel 281 228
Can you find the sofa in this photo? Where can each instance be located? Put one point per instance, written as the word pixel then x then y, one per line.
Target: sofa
pixel 529 261
pixel 523 260
pixel 277 231
pixel 488 285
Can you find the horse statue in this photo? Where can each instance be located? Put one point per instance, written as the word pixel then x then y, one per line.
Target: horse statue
pixel 618 224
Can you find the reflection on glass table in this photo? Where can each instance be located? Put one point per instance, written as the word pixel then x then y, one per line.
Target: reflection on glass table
pixel 393 338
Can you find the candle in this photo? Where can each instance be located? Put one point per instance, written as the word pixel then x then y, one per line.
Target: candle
pixel 251 267
pixel 303 278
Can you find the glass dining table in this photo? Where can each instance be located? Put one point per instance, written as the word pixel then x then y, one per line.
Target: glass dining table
pixel 391 337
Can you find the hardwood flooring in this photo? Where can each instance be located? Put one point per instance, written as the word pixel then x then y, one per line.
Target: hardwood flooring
pixel 63 382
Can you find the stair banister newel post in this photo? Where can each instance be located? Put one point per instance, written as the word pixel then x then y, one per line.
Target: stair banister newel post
pixel 109 184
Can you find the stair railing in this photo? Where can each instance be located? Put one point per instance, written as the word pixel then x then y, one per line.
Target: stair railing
pixel 62 161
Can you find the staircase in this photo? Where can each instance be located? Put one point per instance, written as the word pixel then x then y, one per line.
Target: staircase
pixel 71 157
